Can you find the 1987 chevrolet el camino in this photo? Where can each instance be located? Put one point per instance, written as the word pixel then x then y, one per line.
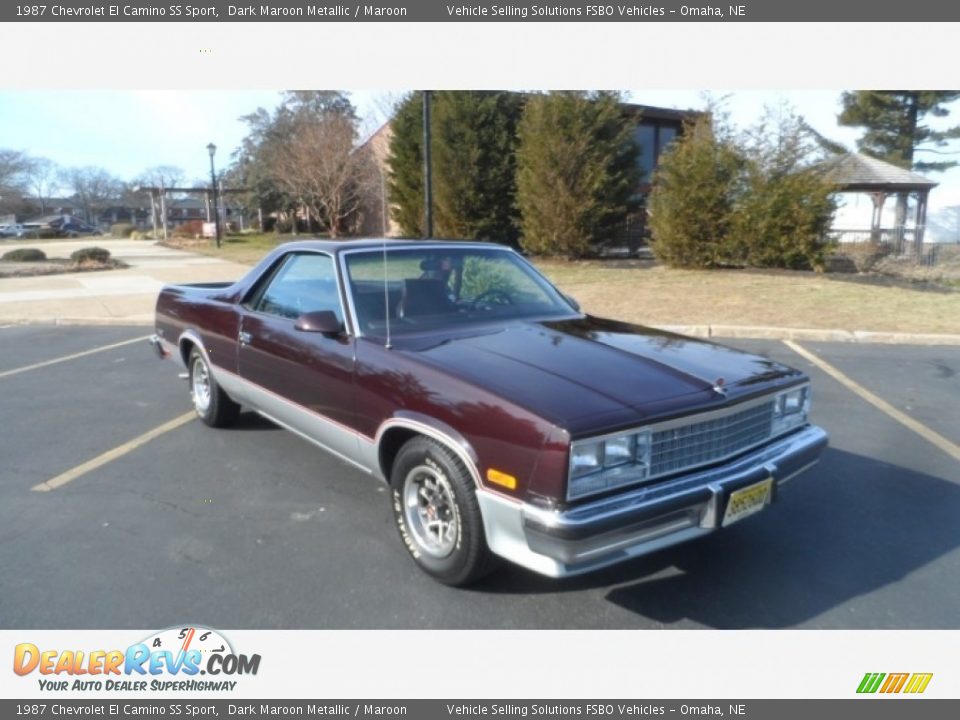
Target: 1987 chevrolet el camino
pixel 507 423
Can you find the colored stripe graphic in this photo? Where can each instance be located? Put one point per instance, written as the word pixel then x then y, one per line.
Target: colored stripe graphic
pixel 918 683
pixel 870 682
pixel 894 683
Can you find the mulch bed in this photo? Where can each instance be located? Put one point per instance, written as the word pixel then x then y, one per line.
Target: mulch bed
pixel 55 266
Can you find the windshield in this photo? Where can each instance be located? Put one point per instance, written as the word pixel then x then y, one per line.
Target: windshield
pixel 440 288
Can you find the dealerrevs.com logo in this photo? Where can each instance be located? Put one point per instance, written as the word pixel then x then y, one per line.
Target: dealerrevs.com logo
pixel 893 683
pixel 170 660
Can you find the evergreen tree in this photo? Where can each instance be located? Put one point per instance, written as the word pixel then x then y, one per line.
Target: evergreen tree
pixel 755 199
pixel 895 128
pixel 473 142
pixel 695 190
pixel 787 205
pixel 474 165
pixel 577 172
pixel 405 179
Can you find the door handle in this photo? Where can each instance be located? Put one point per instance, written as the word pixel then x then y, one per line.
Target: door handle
pixel 244 338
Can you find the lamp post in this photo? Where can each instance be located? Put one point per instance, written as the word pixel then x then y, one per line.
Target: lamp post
pixel 427 170
pixel 212 149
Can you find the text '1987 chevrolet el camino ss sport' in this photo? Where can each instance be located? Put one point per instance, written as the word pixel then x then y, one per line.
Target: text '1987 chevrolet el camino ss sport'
pixel 507 423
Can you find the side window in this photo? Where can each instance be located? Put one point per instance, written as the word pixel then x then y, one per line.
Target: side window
pixel 304 283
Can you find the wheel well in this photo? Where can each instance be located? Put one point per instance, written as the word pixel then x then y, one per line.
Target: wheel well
pixel 390 444
pixel 186 347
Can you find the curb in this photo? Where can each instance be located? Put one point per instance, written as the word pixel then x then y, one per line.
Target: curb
pixel 742 332
pixel 131 321
pixel 760 332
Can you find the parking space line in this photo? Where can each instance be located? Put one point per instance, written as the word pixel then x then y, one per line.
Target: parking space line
pixel 65 358
pixel 931 436
pixel 111 455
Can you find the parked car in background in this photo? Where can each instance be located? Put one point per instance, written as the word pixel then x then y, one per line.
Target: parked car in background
pixel 72 228
pixel 57 226
pixel 506 422
pixel 12 230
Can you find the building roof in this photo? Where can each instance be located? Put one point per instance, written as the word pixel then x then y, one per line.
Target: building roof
pixel 650 112
pixel 862 173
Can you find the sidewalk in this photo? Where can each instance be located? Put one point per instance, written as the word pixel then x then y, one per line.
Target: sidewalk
pixel 115 297
pixel 127 297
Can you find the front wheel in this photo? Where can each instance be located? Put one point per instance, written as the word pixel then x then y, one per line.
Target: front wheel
pixel 436 510
pixel 213 405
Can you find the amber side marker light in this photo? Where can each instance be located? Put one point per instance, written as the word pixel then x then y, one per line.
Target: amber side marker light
pixel 501 478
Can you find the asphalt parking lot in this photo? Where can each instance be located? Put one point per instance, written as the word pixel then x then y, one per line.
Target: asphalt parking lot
pixel 255 528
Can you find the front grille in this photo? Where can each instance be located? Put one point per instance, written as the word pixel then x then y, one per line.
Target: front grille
pixel 707 441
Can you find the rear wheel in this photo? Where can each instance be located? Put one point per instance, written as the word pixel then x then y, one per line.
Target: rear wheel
pixel 436 510
pixel 213 405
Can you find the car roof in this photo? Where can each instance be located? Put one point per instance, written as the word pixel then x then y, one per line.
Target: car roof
pixel 340 246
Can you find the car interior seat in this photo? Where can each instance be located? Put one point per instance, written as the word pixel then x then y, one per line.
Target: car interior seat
pixel 424 296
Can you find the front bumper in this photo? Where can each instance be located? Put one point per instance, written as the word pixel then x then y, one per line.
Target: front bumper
pixel 638 522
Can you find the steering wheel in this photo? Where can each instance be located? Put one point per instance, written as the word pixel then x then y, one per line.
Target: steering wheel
pixel 493 296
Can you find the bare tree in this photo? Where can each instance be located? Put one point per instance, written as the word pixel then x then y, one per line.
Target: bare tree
pixel 161 176
pixel 92 188
pixel 947 223
pixel 383 106
pixel 167 176
pixel 13 164
pixel 42 176
pixel 318 164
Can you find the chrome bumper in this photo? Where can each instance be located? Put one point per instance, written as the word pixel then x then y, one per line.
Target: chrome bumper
pixel 608 531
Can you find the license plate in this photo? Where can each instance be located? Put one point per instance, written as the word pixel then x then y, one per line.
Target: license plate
pixel 746 501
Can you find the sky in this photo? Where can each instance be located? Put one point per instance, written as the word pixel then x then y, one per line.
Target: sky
pixel 128 131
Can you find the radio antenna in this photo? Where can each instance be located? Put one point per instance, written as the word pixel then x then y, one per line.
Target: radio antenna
pixel 386 295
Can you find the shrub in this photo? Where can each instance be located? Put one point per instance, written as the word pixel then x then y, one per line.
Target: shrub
pixel 757 200
pixel 24 255
pixel 485 276
pixel 864 256
pixel 577 172
pixel 122 230
pixel 694 194
pixel 787 205
pixel 189 229
pixel 91 255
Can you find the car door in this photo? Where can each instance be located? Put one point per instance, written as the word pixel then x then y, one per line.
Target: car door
pixel 301 379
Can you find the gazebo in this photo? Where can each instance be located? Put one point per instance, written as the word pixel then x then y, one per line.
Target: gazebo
pixel 858 173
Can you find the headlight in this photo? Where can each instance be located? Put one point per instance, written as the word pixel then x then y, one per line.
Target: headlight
pixel 585 459
pixel 598 465
pixel 618 451
pixel 790 409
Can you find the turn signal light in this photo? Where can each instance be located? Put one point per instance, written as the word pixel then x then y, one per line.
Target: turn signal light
pixel 502 478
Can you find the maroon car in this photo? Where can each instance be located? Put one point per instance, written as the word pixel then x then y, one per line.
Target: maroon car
pixel 507 423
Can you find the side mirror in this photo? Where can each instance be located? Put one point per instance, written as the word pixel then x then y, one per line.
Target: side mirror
pixel 572 300
pixel 324 322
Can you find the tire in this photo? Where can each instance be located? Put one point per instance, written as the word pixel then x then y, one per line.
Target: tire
pixel 214 407
pixel 431 486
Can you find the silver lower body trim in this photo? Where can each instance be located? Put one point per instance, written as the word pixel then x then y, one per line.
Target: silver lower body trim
pixel 639 522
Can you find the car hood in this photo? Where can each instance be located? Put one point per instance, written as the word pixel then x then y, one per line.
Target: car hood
pixel 589 374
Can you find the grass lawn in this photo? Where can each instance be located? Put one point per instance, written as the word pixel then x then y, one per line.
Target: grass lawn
pixel 647 293
pixel 244 249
